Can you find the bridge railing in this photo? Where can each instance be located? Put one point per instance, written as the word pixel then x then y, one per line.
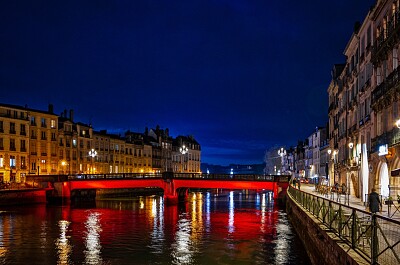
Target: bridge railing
pixel 376 238
pixel 165 175
pixel 115 176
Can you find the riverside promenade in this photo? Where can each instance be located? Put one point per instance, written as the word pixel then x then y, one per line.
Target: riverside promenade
pixel 339 229
pixel 389 211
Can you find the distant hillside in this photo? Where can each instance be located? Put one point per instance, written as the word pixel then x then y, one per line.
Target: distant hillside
pixel 235 168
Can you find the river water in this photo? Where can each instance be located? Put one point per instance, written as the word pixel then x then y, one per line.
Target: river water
pixel 212 227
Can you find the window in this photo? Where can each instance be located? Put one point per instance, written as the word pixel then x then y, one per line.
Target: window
pixel 12 161
pixel 43 122
pixel 12 145
pixel 52 123
pixel 1 161
pixel 23 162
pixel 23 146
pixel 74 142
pixel 22 129
pixel 1 126
pixel 33 134
pixel 1 144
pixel 53 136
pixel 12 127
pixel 43 135
pixel 33 121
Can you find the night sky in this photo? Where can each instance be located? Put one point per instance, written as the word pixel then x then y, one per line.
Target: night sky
pixel 240 76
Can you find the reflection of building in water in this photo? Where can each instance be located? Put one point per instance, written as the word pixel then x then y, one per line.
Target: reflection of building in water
pixel 92 240
pixel 64 248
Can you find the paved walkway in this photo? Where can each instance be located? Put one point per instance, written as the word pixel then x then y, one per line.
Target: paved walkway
pixel 393 212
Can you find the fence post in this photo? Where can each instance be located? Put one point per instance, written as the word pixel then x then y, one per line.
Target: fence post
pixel 353 229
pixel 374 240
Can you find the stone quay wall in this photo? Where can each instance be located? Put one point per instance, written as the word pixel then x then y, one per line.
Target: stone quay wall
pixel 23 196
pixel 322 246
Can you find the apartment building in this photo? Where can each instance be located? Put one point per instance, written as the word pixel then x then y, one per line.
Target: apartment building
pixel 364 106
pixel 385 148
pixel 14 143
pixel 186 155
pixel 41 142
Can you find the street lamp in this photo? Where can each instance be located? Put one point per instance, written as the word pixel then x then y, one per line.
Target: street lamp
pixel 183 150
pixel 351 145
pixel 333 158
pixel 398 123
pixel 64 164
pixel 282 153
pixel 92 154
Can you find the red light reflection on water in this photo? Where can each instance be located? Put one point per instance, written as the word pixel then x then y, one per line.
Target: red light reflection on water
pixel 185 226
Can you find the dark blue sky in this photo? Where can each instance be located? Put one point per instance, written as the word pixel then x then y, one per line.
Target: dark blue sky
pixel 240 76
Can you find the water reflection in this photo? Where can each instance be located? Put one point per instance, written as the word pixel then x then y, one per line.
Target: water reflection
pixel 63 245
pixel 231 219
pixel 3 249
pixel 92 240
pixel 157 235
pixel 210 228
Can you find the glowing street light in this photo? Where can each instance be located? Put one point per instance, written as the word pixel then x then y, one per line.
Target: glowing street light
pixel 282 154
pixel 92 154
pixel 183 150
pixel 398 123
pixel 64 164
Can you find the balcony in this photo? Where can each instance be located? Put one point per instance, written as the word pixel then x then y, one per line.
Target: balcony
pixel 390 138
pixel 386 41
pixel 388 85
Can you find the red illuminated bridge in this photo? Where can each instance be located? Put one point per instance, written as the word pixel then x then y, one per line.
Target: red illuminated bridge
pixel 174 185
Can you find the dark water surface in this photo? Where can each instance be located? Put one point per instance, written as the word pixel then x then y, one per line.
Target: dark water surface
pixel 211 228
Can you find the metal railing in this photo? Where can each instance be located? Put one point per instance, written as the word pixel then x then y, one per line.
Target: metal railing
pixel 374 237
pixel 171 175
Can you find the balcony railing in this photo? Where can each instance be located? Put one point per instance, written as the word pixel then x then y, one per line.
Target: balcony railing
pixel 386 86
pixel 390 138
pixel 387 39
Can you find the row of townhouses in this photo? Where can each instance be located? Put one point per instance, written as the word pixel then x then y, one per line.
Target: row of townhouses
pixel 360 145
pixel 41 142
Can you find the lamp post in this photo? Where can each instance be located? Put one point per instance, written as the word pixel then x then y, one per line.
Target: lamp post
pixel 92 154
pixel 282 153
pixel 334 154
pixel 351 145
pixel 63 164
pixel 183 150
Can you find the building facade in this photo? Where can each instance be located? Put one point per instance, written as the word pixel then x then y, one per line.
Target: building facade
pixel 36 142
pixel 364 106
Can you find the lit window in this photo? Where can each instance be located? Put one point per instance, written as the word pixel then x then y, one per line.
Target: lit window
pixel 12 161
pixel 74 142
pixel 53 124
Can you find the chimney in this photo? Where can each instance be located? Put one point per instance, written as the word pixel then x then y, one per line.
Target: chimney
pixel 51 109
pixel 71 115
